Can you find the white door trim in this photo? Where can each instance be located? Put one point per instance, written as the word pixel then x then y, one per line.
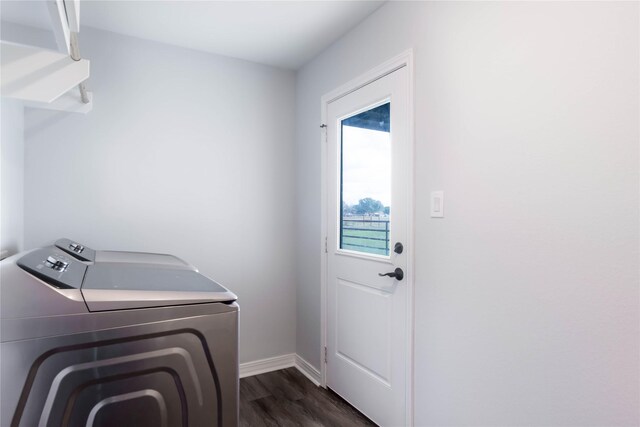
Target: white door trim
pixel 405 59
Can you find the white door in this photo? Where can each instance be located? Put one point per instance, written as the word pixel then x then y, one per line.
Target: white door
pixel 368 201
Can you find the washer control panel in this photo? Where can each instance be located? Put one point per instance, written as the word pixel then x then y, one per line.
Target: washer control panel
pixel 54 267
pixel 77 250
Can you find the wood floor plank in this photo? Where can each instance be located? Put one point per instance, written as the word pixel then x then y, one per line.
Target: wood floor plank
pixel 251 389
pixel 286 398
pixel 280 385
pixel 287 413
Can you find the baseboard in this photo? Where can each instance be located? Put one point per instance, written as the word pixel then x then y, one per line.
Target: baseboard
pixel 267 365
pixel 308 370
pixel 280 362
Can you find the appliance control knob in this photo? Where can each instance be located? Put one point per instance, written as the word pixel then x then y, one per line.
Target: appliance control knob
pixel 76 247
pixel 56 264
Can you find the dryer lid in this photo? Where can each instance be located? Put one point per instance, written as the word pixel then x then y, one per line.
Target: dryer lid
pixel 129 286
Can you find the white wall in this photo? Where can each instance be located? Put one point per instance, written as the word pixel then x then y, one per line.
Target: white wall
pixel 11 176
pixel 526 298
pixel 12 145
pixel 185 153
pixel 17 33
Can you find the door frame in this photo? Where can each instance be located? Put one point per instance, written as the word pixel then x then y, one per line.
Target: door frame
pixel 405 59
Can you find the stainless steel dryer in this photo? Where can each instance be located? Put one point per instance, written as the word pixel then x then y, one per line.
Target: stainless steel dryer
pixel 115 344
pixel 86 254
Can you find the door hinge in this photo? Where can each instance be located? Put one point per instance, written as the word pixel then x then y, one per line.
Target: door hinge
pixel 324 127
pixel 326 245
pixel 325 355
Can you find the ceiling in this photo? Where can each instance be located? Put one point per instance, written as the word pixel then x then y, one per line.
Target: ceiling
pixel 284 34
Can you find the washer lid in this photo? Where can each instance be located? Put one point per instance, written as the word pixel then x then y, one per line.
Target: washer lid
pixel 129 286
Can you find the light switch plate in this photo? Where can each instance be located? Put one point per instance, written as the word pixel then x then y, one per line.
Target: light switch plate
pixel 437 204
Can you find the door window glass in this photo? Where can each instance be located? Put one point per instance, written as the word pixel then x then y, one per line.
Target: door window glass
pixel 365 181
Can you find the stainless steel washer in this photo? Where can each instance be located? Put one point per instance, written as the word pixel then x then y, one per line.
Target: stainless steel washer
pixel 115 344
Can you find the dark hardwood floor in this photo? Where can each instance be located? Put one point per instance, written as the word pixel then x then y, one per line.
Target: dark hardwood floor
pixel 288 398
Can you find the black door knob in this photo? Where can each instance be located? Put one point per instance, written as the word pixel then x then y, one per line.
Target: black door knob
pixel 397 273
pixel 398 248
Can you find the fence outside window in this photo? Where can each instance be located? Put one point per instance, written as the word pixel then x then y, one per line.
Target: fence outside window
pixel 365 234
